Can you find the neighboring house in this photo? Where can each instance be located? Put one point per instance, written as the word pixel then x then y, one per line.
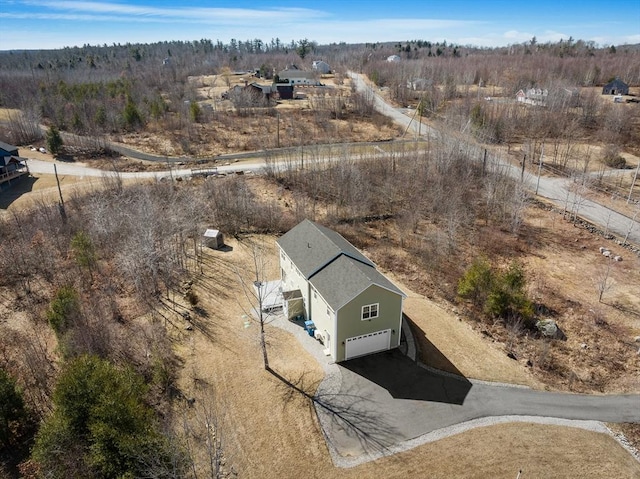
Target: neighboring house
pixel 532 96
pixel 261 90
pixel 557 97
pixel 8 150
pixel 11 165
pixel 321 67
pixel 355 309
pixel 235 90
pixel 393 58
pixel 298 77
pixel 616 87
pixel 252 94
pixel 568 96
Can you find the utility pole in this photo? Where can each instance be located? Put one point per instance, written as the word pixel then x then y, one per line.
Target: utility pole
pixel 633 183
pixel 63 213
pixel 278 129
pixel 484 163
pixel 540 168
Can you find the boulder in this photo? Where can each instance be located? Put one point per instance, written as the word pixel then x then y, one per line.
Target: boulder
pixel 549 329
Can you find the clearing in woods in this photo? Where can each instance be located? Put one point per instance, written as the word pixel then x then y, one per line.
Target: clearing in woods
pixel 268 431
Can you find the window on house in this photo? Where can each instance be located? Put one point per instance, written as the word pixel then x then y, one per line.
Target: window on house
pixel 370 311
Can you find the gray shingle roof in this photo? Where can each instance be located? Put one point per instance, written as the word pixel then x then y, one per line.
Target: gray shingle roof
pixel 344 279
pixel 331 264
pixel 7 147
pixel 311 246
pixel 287 74
pixel 617 83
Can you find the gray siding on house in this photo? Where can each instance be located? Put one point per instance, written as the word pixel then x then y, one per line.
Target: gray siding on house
pixel 323 317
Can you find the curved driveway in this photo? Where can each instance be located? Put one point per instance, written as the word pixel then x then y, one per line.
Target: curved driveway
pixel 386 403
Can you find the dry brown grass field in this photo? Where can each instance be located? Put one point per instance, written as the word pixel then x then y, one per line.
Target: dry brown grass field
pixel 268 432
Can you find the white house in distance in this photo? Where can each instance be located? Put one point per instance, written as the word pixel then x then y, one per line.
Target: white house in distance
pixel 533 96
pixel 298 77
pixel 356 310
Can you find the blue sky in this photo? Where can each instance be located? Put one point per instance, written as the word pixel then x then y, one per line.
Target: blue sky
pixel 40 24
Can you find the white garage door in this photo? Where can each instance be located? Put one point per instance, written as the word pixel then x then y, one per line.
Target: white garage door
pixel 367 344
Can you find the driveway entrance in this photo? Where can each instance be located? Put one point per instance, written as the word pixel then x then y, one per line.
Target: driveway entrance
pixel 386 400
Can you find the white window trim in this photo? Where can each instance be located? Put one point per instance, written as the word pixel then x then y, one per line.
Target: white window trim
pixel 369 307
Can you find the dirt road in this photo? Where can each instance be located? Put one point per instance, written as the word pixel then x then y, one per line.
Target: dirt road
pixel 561 192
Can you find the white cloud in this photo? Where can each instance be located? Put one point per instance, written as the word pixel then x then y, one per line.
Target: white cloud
pixel 115 21
pixel 552 36
pixel 631 39
pixel 199 15
pixel 515 35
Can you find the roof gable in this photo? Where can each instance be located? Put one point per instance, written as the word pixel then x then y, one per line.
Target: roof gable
pixel 10 149
pixel 617 83
pixel 311 247
pixel 345 278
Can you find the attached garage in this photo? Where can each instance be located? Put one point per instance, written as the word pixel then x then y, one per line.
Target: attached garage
pixel 354 307
pixel 367 344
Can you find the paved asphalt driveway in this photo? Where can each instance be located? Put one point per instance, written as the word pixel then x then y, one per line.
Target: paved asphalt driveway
pixel 386 399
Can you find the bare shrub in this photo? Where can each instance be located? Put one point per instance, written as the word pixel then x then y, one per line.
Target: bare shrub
pixel 612 158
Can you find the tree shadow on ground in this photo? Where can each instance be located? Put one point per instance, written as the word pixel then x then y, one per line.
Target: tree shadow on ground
pixel 349 412
pixel 403 378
